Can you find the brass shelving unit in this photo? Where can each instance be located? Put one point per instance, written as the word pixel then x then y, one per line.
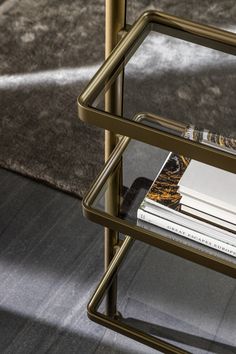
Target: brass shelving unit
pixel 108 82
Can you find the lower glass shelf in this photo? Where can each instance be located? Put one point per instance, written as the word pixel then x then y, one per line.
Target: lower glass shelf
pixel 167 303
pixel 130 171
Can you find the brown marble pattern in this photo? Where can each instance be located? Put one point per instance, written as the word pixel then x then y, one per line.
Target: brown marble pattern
pixel 164 190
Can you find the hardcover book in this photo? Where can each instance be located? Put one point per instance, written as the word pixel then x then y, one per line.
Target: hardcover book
pixel 162 207
pixel 199 213
pixel 212 187
pixel 189 241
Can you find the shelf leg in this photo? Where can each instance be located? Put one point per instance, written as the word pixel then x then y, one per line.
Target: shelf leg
pixel 115 21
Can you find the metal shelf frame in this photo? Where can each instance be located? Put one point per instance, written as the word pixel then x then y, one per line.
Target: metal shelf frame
pixel 115 249
pixel 115 222
pixel 116 322
pixel 111 118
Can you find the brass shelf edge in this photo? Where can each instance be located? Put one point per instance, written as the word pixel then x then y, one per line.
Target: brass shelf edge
pixel 125 227
pixel 114 323
pixel 223 40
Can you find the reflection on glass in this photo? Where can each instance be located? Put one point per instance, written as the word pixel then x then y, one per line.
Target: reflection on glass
pixel 141 164
pixel 176 301
pixel 181 81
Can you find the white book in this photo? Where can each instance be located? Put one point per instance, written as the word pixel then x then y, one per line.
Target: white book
pixel 187 233
pixel 190 222
pixel 209 184
pixel 208 208
pixel 202 215
pixel 163 201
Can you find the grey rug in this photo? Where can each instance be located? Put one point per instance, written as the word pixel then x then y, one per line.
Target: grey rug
pixel 48 54
pixel 49 50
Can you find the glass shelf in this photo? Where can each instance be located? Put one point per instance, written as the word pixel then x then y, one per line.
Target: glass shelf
pixel 168 300
pixel 140 164
pixel 183 75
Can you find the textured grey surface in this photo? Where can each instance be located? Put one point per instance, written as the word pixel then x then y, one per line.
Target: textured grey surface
pixel 51 259
pixel 218 13
pixel 186 298
pixel 184 82
pixel 49 50
pixel 47 56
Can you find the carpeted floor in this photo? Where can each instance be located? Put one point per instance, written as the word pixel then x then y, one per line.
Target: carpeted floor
pixel 47 57
pixel 49 50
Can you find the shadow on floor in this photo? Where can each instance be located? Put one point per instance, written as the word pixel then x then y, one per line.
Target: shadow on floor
pixel 21 334
pixel 180 337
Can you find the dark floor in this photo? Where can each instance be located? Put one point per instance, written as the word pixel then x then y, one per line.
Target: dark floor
pixel 50 261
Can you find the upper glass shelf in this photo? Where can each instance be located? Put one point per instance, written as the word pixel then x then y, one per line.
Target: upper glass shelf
pixel 182 75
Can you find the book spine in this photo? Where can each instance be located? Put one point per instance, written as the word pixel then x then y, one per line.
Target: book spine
pixel 188 233
pixel 202 227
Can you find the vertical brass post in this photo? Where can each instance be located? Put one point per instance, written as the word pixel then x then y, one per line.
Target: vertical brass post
pixel 115 21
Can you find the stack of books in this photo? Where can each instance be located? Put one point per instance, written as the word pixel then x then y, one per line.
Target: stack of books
pixel 194 200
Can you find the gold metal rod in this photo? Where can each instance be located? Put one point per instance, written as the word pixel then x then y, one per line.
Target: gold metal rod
pixel 115 323
pixel 113 267
pixel 115 22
